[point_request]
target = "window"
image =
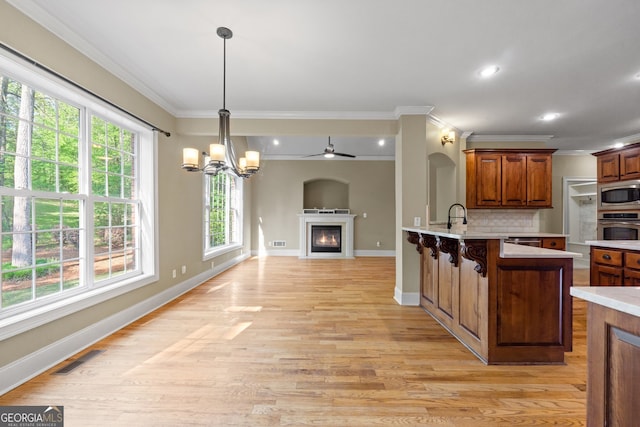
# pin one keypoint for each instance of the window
(72, 189)
(223, 222)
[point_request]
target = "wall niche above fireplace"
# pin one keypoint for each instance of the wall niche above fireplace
(325, 193)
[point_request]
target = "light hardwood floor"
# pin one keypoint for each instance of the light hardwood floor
(287, 342)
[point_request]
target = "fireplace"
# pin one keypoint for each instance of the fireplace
(326, 234)
(326, 238)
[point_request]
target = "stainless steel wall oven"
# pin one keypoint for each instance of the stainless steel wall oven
(618, 225)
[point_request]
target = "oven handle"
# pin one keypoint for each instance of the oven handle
(612, 221)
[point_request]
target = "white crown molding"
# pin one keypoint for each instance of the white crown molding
(444, 125)
(320, 158)
(629, 139)
(465, 135)
(309, 115)
(509, 138)
(413, 110)
(35, 12)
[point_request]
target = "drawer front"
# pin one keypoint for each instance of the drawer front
(553, 243)
(632, 260)
(608, 257)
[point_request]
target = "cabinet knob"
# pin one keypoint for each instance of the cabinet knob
(553, 243)
(607, 257)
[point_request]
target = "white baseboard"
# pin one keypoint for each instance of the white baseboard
(374, 253)
(406, 298)
(296, 253)
(277, 252)
(22, 370)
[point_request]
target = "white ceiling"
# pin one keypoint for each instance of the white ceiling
(367, 58)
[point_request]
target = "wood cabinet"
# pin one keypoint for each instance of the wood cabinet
(614, 267)
(619, 165)
(558, 243)
(514, 180)
(508, 178)
(505, 310)
(613, 373)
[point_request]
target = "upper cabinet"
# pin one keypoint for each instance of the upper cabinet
(619, 165)
(509, 178)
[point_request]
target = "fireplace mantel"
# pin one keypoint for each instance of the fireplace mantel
(345, 220)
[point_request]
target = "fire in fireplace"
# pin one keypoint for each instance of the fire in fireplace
(326, 238)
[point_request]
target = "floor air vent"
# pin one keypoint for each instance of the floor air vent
(279, 243)
(74, 364)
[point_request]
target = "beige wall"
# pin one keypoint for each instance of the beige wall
(574, 166)
(278, 196)
(272, 199)
(179, 192)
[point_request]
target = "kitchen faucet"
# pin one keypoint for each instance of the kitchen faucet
(464, 217)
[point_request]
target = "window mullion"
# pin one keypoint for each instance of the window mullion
(86, 217)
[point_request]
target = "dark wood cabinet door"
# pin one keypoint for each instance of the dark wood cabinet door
(539, 180)
(488, 179)
(429, 279)
(631, 277)
(613, 378)
(630, 164)
(514, 180)
(604, 275)
(609, 168)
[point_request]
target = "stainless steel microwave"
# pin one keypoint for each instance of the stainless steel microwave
(619, 195)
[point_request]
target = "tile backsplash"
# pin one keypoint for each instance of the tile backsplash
(501, 220)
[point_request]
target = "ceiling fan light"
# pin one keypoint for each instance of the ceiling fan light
(329, 155)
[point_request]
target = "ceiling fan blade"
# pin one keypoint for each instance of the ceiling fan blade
(313, 155)
(344, 155)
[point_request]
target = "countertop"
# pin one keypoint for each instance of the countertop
(507, 250)
(622, 298)
(468, 235)
(633, 245)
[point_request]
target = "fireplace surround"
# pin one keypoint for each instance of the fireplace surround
(326, 219)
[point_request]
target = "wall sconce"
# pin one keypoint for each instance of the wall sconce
(448, 136)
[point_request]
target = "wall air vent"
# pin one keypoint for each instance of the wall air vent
(279, 243)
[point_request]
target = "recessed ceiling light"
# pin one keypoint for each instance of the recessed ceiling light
(618, 145)
(549, 116)
(489, 71)
(276, 142)
(381, 142)
(637, 76)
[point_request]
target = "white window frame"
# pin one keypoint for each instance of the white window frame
(212, 252)
(40, 312)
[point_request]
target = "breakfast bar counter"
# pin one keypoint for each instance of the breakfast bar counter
(508, 304)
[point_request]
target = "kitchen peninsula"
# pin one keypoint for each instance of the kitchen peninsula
(507, 303)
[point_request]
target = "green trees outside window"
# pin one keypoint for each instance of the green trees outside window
(222, 211)
(68, 188)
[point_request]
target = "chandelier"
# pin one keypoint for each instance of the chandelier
(221, 156)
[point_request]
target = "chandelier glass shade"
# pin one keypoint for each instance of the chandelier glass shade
(221, 156)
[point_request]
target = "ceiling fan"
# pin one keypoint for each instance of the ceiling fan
(330, 152)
